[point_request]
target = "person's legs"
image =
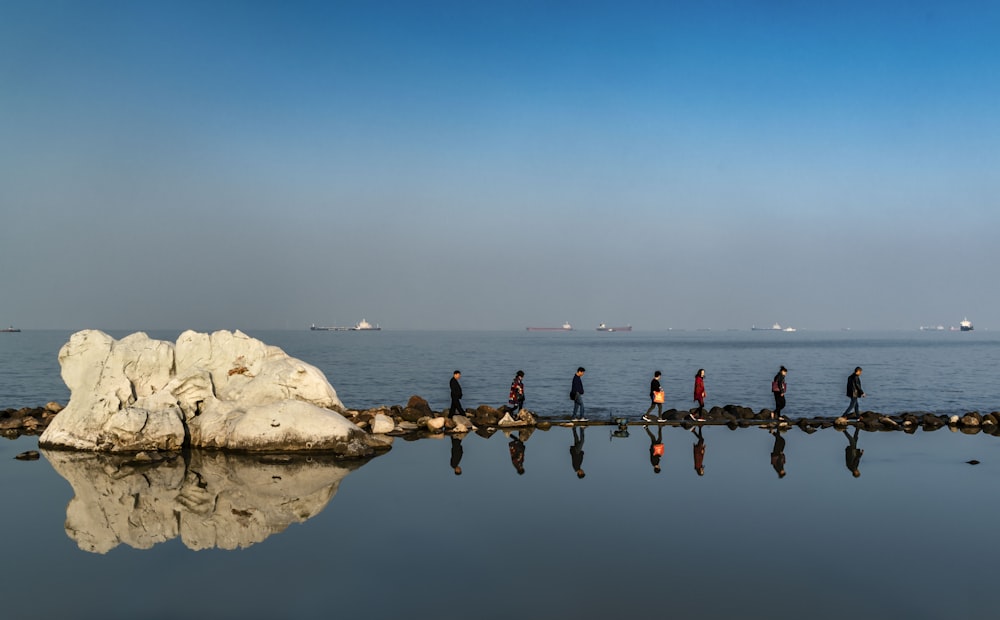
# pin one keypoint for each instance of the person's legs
(652, 404)
(578, 406)
(852, 405)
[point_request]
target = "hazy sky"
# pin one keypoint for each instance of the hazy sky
(495, 165)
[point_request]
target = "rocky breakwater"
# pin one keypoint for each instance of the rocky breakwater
(223, 390)
(27, 420)
(417, 418)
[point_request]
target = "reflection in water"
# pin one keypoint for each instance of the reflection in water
(516, 448)
(576, 452)
(852, 455)
(456, 453)
(699, 451)
(656, 447)
(778, 453)
(209, 499)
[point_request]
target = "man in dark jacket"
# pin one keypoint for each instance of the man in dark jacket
(854, 392)
(778, 388)
(577, 394)
(456, 395)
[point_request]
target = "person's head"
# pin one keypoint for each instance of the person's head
(856, 473)
(656, 468)
(520, 374)
(581, 370)
(781, 473)
(701, 471)
(700, 373)
(657, 374)
(783, 370)
(457, 374)
(857, 370)
(458, 471)
(520, 471)
(580, 474)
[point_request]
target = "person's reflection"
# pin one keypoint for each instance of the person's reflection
(576, 452)
(656, 447)
(516, 447)
(852, 454)
(699, 451)
(456, 453)
(778, 453)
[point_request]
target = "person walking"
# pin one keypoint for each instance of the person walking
(515, 400)
(576, 393)
(576, 452)
(699, 394)
(778, 387)
(456, 395)
(854, 392)
(656, 398)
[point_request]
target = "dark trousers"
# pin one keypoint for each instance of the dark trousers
(779, 403)
(853, 405)
(456, 407)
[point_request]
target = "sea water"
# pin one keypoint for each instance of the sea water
(403, 536)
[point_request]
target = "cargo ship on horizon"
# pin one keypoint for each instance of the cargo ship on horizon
(566, 327)
(604, 328)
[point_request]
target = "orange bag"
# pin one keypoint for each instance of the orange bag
(658, 449)
(658, 396)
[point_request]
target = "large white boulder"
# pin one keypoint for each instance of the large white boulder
(222, 390)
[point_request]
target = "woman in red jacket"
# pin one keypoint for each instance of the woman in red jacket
(699, 394)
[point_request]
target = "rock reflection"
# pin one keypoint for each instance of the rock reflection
(208, 499)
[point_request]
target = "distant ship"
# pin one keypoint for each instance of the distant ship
(965, 325)
(566, 327)
(604, 328)
(10, 330)
(774, 328)
(365, 326)
(362, 326)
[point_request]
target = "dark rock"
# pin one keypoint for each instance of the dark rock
(932, 422)
(971, 419)
(973, 462)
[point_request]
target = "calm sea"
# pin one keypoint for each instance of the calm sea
(212, 535)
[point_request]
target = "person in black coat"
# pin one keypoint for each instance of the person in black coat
(854, 392)
(456, 395)
(778, 388)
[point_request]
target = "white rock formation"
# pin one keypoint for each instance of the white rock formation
(221, 390)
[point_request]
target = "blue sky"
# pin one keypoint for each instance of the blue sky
(496, 165)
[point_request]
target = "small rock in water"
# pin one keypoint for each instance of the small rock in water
(30, 455)
(973, 462)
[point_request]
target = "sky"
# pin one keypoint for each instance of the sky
(495, 165)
